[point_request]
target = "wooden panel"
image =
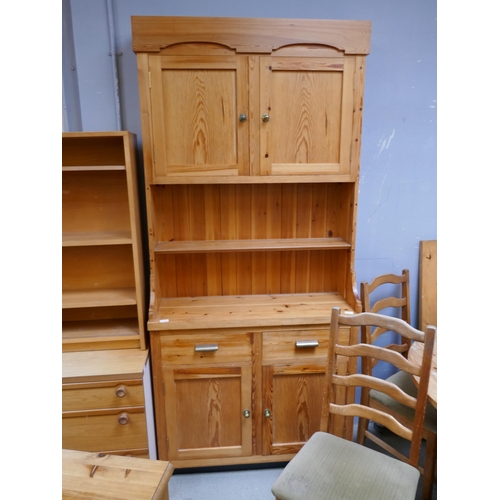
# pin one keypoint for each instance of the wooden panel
(152, 33)
(93, 149)
(246, 311)
(282, 345)
(214, 399)
(231, 348)
(303, 133)
(100, 431)
(293, 395)
(98, 476)
(116, 364)
(245, 218)
(117, 394)
(97, 267)
(93, 202)
(428, 284)
(236, 212)
(196, 129)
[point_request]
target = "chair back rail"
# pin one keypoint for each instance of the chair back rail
(366, 352)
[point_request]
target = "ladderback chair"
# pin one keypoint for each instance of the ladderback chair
(390, 293)
(331, 467)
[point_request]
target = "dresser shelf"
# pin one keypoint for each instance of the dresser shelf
(279, 244)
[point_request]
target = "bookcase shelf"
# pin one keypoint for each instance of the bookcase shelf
(103, 297)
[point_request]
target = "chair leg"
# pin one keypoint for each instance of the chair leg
(362, 428)
(429, 466)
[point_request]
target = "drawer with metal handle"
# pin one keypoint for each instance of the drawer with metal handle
(292, 345)
(210, 347)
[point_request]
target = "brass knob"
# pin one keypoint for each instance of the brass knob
(243, 118)
(121, 391)
(123, 419)
(267, 413)
(246, 413)
(265, 118)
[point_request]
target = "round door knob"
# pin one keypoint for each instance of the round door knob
(123, 419)
(121, 391)
(246, 413)
(267, 413)
(265, 118)
(243, 118)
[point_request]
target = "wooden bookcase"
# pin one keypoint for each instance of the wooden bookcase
(251, 140)
(103, 297)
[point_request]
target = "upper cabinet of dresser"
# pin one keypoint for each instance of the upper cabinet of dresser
(228, 100)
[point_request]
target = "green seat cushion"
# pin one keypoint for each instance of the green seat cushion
(329, 467)
(404, 381)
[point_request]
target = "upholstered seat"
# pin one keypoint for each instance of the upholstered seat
(329, 467)
(404, 382)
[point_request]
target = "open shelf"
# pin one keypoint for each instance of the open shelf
(83, 168)
(101, 333)
(72, 299)
(233, 311)
(278, 244)
(95, 238)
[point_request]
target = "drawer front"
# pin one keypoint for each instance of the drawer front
(102, 395)
(101, 431)
(298, 344)
(189, 348)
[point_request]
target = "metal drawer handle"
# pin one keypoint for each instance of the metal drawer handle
(206, 348)
(123, 419)
(306, 343)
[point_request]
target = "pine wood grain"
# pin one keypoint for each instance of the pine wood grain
(101, 476)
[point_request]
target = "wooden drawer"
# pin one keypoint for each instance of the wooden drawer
(294, 344)
(189, 348)
(92, 396)
(101, 430)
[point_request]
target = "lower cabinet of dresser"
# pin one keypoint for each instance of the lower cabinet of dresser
(238, 397)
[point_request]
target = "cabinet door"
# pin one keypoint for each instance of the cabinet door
(306, 108)
(198, 103)
(292, 406)
(205, 412)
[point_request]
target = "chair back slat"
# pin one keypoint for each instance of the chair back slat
(387, 302)
(355, 410)
(380, 354)
(337, 384)
(361, 380)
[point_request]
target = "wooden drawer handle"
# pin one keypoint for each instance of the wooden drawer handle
(123, 419)
(304, 344)
(121, 391)
(206, 348)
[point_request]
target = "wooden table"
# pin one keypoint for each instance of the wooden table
(103, 477)
(415, 356)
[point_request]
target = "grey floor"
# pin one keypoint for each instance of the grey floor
(254, 484)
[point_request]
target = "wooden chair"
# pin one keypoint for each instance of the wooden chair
(331, 467)
(375, 297)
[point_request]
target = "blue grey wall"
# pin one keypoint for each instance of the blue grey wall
(397, 198)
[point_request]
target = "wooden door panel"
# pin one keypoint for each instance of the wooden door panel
(196, 126)
(204, 412)
(293, 396)
(310, 105)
